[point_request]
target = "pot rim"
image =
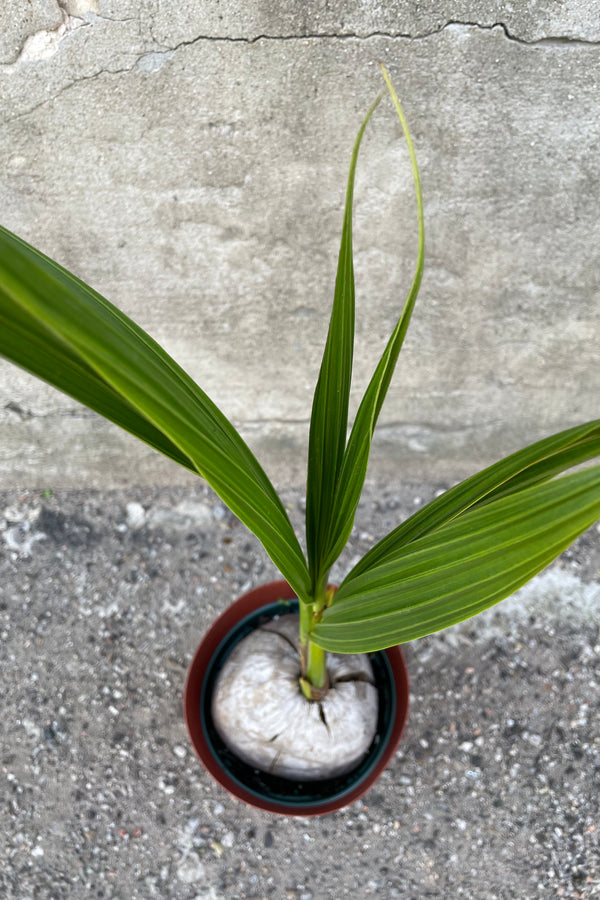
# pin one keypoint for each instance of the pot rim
(199, 672)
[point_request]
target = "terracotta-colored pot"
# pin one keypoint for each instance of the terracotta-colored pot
(272, 793)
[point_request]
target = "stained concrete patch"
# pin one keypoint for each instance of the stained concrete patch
(22, 20)
(492, 794)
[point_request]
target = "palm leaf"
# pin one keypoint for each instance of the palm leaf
(329, 419)
(26, 342)
(535, 464)
(66, 333)
(354, 465)
(462, 568)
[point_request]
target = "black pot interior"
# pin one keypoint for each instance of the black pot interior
(274, 788)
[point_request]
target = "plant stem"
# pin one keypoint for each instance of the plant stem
(316, 669)
(314, 681)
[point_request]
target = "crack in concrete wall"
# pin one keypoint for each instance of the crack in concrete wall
(537, 42)
(43, 44)
(391, 35)
(396, 35)
(46, 43)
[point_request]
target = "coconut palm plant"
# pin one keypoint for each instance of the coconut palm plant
(465, 551)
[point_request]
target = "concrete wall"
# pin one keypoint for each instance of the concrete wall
(189, 161)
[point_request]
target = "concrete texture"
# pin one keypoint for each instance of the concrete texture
(189, 161)
(493, 794)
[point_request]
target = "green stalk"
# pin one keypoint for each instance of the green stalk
(314, 681)
(316, 670)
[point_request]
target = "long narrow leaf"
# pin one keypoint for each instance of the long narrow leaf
(463, 568)
(356, 457)
(535, 464)
(25, 342)
(329, 419)
(93, 342)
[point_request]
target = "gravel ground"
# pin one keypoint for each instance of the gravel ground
(103, 598)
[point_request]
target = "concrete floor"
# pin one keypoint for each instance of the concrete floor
(103, 597)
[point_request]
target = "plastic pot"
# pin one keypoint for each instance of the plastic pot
(265, 791)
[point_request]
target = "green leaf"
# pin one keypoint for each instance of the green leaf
(532, 465)
(27, 343)
(66, 333)
(462, 568)
(329, 419)
(356, 457)
(337, 469)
